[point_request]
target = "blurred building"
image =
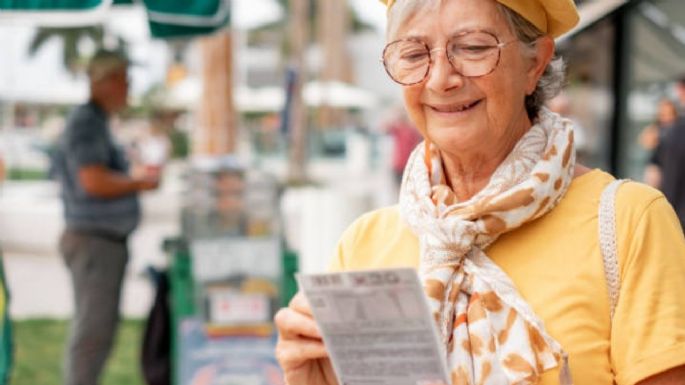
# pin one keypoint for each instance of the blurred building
(622, 58)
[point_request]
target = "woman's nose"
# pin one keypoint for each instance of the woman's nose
(442, 75)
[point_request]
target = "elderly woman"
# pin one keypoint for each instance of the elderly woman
(501, 223)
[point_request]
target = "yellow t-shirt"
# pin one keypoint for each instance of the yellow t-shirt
(555, 263)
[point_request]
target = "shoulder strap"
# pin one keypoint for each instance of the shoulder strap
(607, 241)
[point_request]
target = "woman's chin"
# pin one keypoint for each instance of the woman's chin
(457, 141)
(455, 132)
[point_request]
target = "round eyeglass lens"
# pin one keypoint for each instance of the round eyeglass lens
(406, 61)
(474, 53)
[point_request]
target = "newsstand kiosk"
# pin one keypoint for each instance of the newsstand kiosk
(228, 274)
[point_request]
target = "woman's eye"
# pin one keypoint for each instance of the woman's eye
(413, 56)
(475, 48)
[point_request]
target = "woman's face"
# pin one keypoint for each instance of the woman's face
(470, 114)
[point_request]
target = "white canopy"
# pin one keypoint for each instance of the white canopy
(187, 94)
(338, 94)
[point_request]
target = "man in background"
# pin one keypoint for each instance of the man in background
(101, 209)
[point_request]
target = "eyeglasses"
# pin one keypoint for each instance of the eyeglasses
(471, 54)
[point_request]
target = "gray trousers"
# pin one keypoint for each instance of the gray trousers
(97, 265)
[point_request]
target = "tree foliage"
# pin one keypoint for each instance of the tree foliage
(279, 27)
(73, 59)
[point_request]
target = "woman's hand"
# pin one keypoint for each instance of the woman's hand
(300, 350)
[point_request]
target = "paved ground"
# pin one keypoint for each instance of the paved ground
(30, 224)
(39, 286)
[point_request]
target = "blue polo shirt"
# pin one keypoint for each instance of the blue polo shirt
(87, 141)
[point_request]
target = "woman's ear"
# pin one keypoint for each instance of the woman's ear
(544, 51)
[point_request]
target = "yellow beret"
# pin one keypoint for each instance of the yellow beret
(553, 17)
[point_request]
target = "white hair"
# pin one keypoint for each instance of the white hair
(551, 81)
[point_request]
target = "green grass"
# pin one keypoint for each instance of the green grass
(26, 174)
(39, 351)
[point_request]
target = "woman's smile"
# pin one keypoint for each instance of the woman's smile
(456, 110)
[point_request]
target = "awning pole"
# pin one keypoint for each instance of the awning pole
(217, 130)
(299, 37)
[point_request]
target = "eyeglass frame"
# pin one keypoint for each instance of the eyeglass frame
(499, 47)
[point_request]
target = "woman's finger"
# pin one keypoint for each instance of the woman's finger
(292, 324)
(300, 304)
(293, 353)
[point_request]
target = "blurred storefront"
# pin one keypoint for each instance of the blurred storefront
(622, 59)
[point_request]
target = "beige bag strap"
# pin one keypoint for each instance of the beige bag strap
(607, 241)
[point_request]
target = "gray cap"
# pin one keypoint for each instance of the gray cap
(104, 62)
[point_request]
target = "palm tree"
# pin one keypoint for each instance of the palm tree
(72, 57)
(216, 133)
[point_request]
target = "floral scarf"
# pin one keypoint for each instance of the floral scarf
(491, 335)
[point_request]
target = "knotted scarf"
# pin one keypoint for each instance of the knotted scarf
(491, 335)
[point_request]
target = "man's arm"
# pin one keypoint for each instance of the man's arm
(101, 182)
(675, 376)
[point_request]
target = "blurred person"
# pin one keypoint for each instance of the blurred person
(3, 170)
(680, 94)
(502, 223)
(667, 114)
(668, 166)
(405, 138)
(653, 134)
(101, 210)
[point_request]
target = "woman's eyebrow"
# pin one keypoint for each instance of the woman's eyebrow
(413, 36)
(456, 32)
(472, 29)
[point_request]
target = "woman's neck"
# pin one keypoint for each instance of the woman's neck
(468, 174)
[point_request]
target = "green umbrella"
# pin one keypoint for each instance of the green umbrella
(166, 18)
(49, 5)
(179, 18)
